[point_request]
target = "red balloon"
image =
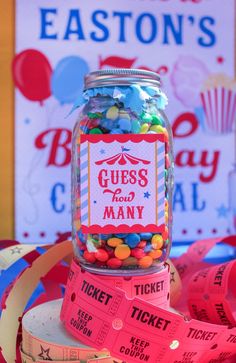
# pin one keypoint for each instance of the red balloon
(32, 74)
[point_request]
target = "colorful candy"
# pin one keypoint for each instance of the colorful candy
(157, 241)
(132, 240)
(130, 250)
(114, 263)
(144, 128)
(145, 262)
(138, 253)
(101, 255)
(112, 113)
(122, 252)
(113, 242)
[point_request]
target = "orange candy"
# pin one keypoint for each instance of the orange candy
(145, 262)
(122, 252)
(155, 254)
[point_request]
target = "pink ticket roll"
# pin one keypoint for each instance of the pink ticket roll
(134, 330)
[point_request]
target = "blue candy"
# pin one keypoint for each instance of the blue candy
(108, 124)
(81, 236)
(105, 237)
(132, 240)
(148, 247)
(124, 124)
(116, 131)
(145, 236)
(121, 235)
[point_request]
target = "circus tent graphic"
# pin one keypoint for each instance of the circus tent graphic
(122, 159)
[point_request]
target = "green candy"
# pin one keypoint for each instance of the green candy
(95, 131)
(156, 120)
(146, 118)
(94, 115)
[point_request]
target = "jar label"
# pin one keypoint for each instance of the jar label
(122, 183)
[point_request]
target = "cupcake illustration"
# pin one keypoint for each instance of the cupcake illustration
(218, 97)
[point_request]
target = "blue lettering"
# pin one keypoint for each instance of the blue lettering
(175, 31)
(178, 198)
(58, 187)
(197, 207)
(100, 26)
(211, 36)
(153, 28)
(74, 25)
(122, 17)
(46, 24)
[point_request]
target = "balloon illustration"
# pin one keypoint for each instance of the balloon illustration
(32, 74)
(68, 79)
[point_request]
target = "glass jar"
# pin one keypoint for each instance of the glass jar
(122, 174)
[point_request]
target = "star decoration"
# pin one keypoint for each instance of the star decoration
(44, 353)
(172, 277)
(16, 250)
(102, 151)
(146, 195)
(95, 202)
(220, 59)
(222, 211)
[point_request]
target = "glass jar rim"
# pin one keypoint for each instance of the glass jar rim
(121, 77)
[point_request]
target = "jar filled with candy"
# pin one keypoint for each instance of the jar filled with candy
(122, 174)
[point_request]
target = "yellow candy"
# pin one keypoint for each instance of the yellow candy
(145, 262)
(122, 252)
(157, 241)
(155, 254)
(166, 216)
(157, 128)
(112, 113)
(144, 129)
(124, 115)
(166, 207)
(113, 242)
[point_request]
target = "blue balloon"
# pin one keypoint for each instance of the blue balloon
(68, 79)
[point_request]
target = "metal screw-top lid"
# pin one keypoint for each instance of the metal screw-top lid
(121, 77)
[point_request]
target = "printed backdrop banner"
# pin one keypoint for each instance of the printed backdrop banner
(190, 43)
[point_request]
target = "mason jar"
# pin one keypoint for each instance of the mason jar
(122, 174)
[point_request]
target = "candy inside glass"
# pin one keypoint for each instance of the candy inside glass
(121, 253)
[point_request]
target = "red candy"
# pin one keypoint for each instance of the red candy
(101, 255)
(142, 244)
(165, 234)
(114, 263)
(89, 256)
(138, 253)
(110, 252)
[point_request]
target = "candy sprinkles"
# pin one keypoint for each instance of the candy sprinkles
(122, 174)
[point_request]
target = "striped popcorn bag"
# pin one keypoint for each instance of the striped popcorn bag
(219, 103)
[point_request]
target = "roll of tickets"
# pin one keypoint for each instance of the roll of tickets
(101, 315)
(140, 330)
(44, 338)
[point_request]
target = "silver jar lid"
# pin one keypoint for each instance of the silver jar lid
(121, 77)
